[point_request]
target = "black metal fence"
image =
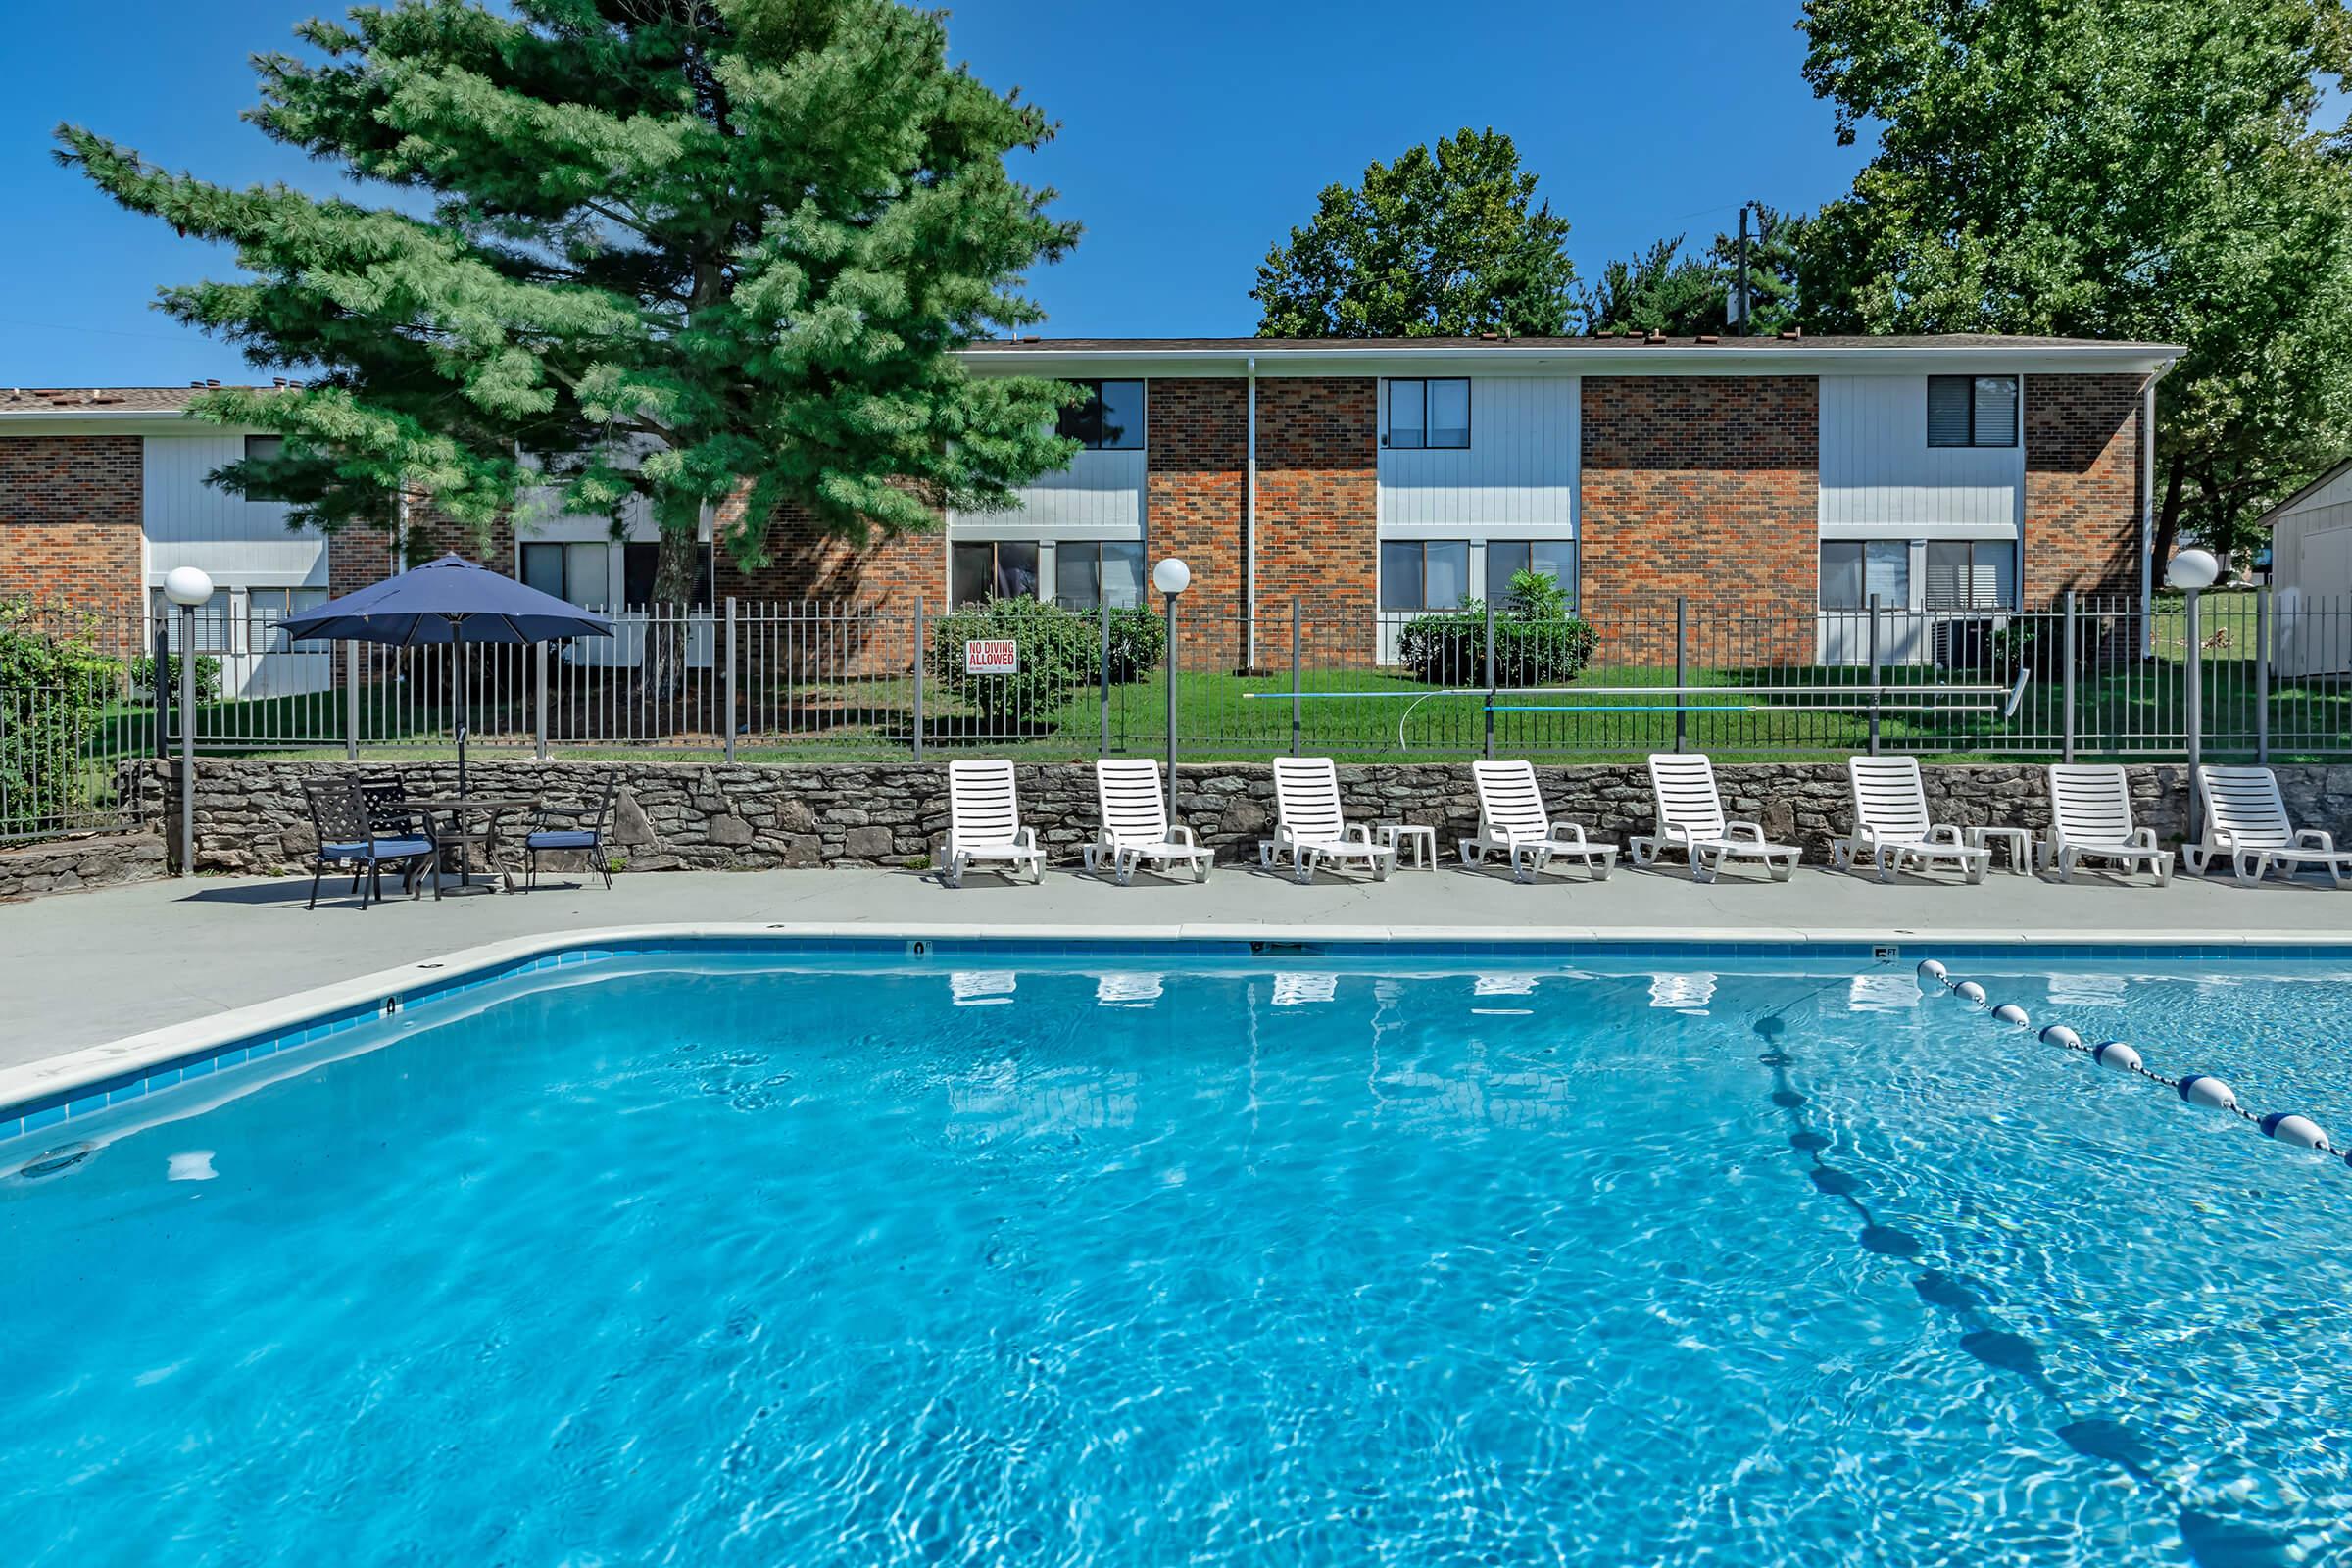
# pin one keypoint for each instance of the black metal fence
(2233, 675)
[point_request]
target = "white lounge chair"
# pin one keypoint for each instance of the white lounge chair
(984, 823)
(1691, 820)
(1512, 821)
(1892, 825)
(1311, 826)
(2090, 819)
(1135, 823)
(2245, 819)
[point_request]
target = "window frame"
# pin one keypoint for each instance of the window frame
(1576, 564)
(1974, 442)
(1422, 547)
(1066, 550)
(1422, 384)
(2004, 564)
(1861, 582)
(1039, 545)
(1092, 404)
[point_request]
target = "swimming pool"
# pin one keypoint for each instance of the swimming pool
(1146, 1255)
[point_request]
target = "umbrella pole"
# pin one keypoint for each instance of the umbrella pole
(464, 708)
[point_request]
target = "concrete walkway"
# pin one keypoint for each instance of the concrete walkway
(78, 969)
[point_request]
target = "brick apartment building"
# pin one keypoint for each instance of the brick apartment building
(1371, 479)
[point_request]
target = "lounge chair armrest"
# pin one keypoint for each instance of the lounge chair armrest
(1356, 833)
(1026, 838)
(1182, 834)
(2315, 838)
(1673, 833)
(2221, 838)
(2142, 838)
(1568, 832)
(1945, 833)
(1750, 831)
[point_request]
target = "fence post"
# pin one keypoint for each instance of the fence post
(2196, 705)
(160, 674)
(1874, 674)
(1105, 672)
(921, 648)
(728, 685)
(2066, 748)
(539, 699)
(1298, 705)
(1681, 671)
(2262, 675)
(1489, 703)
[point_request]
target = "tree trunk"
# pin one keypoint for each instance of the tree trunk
(2168, 518)
(661, 675)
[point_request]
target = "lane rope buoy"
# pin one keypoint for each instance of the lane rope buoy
(2199, 1089)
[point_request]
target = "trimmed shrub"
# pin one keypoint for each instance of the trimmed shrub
(1061, 655)
(1537, 641)
(143, 678)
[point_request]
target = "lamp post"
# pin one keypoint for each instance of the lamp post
(1171, 577)
(187, 587)
(2193, 571)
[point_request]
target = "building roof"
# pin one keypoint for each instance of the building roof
(1615, 344)
(98, 399)
(2336, 472)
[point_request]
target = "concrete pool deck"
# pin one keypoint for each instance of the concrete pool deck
(81, 969)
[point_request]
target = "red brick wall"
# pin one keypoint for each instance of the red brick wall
(1318, 515)
(1193, 499)
(1704, 486)
(2083, 472)
(69, 519)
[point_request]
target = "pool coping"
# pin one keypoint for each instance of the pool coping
(37, 1095)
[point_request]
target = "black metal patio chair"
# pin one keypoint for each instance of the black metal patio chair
(586, 834)
(347, 838)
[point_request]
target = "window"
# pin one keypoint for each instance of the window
(1429, 414)
(984, 569)
(1507, 558)
(265, 448)
(1972, 410)
(577, 573)
(265, 608)
(638, 562)
(1971, 573)
(1087, 574)
(1110, 419)
(1424, 574)
(1855, 571)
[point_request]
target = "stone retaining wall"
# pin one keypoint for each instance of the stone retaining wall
(85, 861)
(695, 816)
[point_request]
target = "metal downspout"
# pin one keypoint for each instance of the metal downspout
(1250, 527)
(2147, 512)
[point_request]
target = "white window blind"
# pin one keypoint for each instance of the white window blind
(1995, 412)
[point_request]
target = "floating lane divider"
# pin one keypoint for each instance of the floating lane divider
(2200, 1089)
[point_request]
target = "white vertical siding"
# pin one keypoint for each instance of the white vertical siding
(1098, 496)
(1519, 472)
(191, 524)
(1880, 478)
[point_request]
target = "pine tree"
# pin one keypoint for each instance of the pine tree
(651, 254)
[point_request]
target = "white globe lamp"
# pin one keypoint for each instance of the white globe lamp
(1171, 576)
(2193, 568)
(187, 586)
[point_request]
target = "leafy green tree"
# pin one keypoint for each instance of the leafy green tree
(1448, 243)
(2151, 169)
(656, 254)
(1683, 294)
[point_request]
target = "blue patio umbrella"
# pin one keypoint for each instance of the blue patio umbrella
(449, 601)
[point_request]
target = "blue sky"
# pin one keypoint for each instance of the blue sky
(1194, 134)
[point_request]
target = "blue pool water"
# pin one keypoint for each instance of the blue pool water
(830, 1261)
